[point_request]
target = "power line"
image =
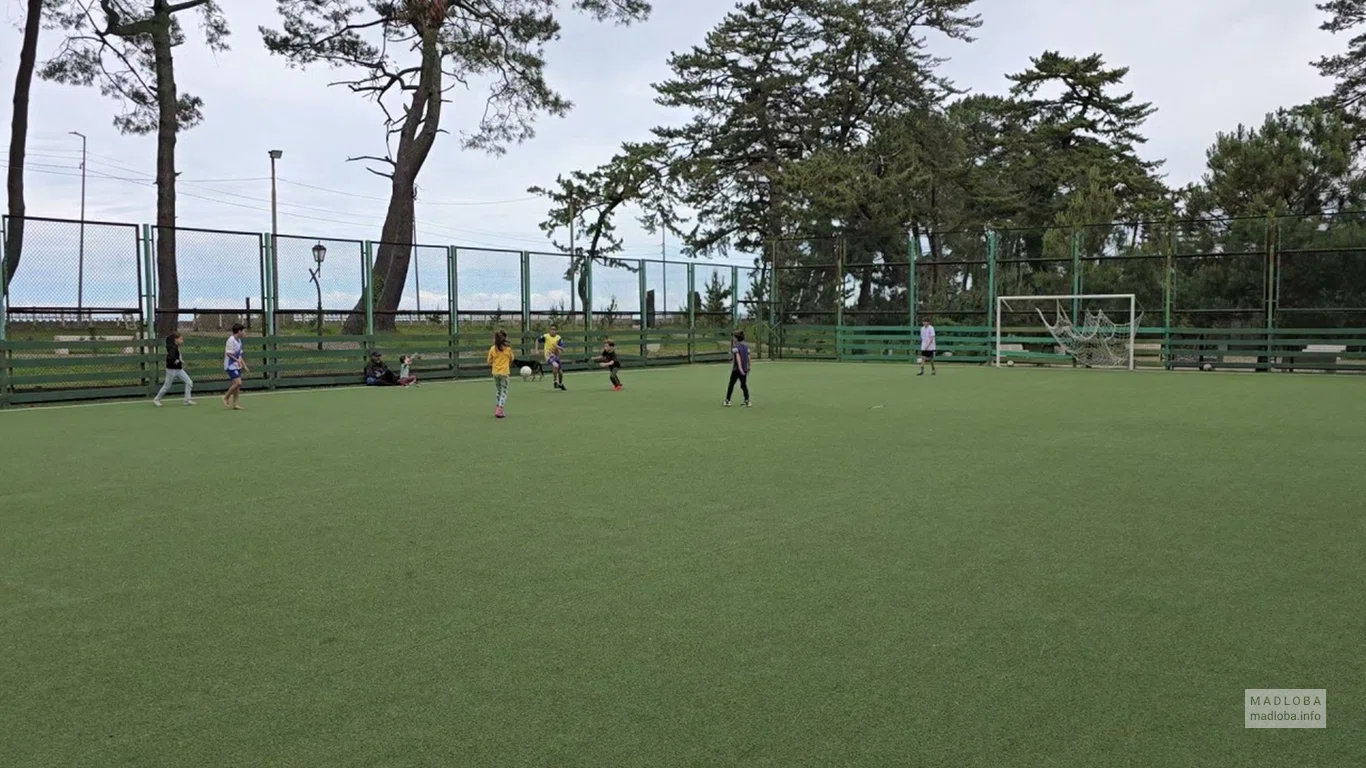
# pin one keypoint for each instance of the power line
(423, 202)
(60, 153)
(366, 220)
(358, 219)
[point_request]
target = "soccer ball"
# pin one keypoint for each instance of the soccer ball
(526, 372)
(920, 361)
(1010, 363)
(1206, 367)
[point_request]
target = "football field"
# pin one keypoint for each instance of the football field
(981, 568)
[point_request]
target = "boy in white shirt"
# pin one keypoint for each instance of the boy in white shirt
(926, 347)
(236, 365)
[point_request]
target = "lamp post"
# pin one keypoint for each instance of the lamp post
(275, 154)
(80, 259)
(319, 253)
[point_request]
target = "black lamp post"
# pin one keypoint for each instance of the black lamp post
(319, 254)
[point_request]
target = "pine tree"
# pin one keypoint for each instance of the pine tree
(127, 50)
(1347, 70)
(18, 141)
(413, 51)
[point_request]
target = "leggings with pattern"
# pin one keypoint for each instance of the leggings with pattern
(500, 384)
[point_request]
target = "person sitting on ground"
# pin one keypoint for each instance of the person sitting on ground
(378, 374)
(406, 377)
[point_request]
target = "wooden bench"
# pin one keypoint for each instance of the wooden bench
(1315, 357)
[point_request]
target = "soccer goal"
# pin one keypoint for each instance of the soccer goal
(1100, 336)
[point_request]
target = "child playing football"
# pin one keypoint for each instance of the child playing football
(739, 368)
(553, 346)
(500, 363)
(608, 360)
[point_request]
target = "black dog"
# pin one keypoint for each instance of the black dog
(537, 372)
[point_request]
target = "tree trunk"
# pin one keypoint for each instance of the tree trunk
(18, 139)
(582, 281)
(421, 123)
(390, 272)
(168, 281)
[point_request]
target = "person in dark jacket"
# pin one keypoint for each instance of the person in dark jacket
(378, 373)
(175, 371)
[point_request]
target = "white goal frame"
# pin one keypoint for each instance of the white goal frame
(1133, 315)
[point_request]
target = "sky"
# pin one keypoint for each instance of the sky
(1207, 65)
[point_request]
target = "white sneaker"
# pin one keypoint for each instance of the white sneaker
(157, 403)
(191, 402)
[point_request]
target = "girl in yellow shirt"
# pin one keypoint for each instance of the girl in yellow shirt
(500, 361)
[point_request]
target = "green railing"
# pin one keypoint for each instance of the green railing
(34, 372)
(1333, 350)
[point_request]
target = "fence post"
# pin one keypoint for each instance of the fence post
(4, 373)
(368, 290)
(587, 298)
(913, 253)
(1168, 272)
(991, 283)
(147, 256)
(839, 298)
(4, 314)
(775, 344)
(644, 314)
(1269, 294)
(269, 302)
(525, 257)
(1076, 273)
(453, 309)
(692, 312)
(4, 281)
(734, 298)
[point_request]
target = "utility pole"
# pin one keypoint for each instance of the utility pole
(275, 154)
(80, 259)
(664, 264)
(573, 287)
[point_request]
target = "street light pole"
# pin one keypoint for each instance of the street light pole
(275, 154)
(319, 253)
(80, 259)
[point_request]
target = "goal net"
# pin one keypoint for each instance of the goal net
(1094, 330)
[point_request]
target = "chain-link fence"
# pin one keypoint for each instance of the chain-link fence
(220, 280)
(952, 278)
(73, 277)
(321, 285)
(809, 290)
(557, 292)
(81, 281)
(488, 291)
(616, 294)
(1124, 258)
(1320, 271)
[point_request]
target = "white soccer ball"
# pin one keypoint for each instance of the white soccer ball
(1010, 363)
(1206, 367)
(920, 361)
(526, 372)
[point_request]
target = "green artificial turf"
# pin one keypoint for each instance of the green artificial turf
(982, 568)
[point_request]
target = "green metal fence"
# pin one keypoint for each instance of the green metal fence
(80, 319)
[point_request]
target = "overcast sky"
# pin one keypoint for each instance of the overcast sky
(1206, 64)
